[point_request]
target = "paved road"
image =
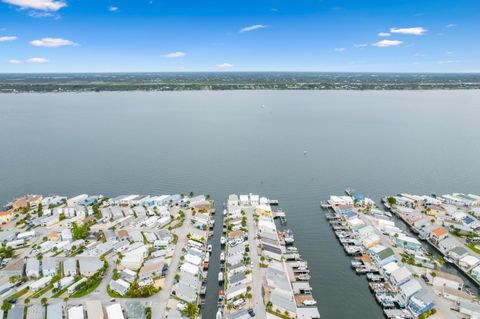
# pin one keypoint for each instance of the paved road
(159, 301)
(259, 306)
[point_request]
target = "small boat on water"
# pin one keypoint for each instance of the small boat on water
(220, 277)
(219, 314)
(209, 248)
(223, 240)
(449, 259)
(224, 212)
(222, 256)
(349, 191)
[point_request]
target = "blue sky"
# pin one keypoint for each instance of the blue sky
(248, 35)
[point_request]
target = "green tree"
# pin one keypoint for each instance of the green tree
(6, 306)
(392, 201)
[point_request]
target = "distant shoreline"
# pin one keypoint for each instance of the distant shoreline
(114, 82)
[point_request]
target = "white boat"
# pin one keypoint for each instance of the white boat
(449, 259)
(224, 212)
(223, 240)
(288, 237)
(209, 248)
(309, 302)
(303, 277)
(222, 256)
(219, 314)
(220, 276)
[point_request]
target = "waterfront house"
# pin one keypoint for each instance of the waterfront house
(27, 202)
(371, 241)
(184, 292)
(74, 201)
(71, 289)
(190, 280)
(410, 288)
(476, 272)
(438, 234)
(26, 235)
(76, 312)
(382, 255)
(390, 267)
(458, 253)
(448, 244)
(400, 276)
(283, 301)
(365, 231)
(468, 262)
(341, 200)
(191, 269)
(235, 291)
(420, 302)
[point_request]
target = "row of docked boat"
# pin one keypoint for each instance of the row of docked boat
(385, 294)
(345, 236)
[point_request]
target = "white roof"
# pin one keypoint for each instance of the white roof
(469, 260)
(94, 309)
(401, 274)
(391, 267)
(76, 312)
(189, 268)
(192, 259)
(115, 311)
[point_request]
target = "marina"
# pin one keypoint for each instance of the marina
(402, 275)
(265, 276)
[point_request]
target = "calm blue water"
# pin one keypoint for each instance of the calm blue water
(225, 142)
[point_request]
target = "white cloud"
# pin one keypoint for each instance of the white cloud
(225, 66)
(449, 62)
(339, 49)
(360, 45)
(253, 27)
(173, 55)
(7, 38)
(384, 34)
(36, 14)
(37, 60)
(46, 5)
(451, 25)
(14, 61)
(112, 9)
(52, 43)
(387, 43)
(410, 31)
